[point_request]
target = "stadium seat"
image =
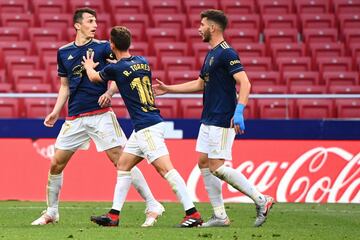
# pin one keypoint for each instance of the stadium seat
(119, 108)
(317, 20)
(153, 61)
(346, 6)
(33, 88)
(41, 34)
(298, 78)
(169, 49)
(3, 79)
(39, 107)
(238, 7)
(282, 21)
(47, 48)
(275, 7)
(266, 78)
(29, 77)
(139, 48)
(194, 20)
(49, 63)
(241, 35)
(341, 78)
(18, 48)
(280, 36)
(11, 34)
(244, 21)
(9, 108)
(14, 6)
(320, 35)
(21, 63)
(287, 64)
(181, 76)
(351, 36)
(164, 6)
(169, 108)
(269, 89)
(312, 6)
(339, 89)
(326, 50)
(22, 20)
(97, 5)
(355, 51)
(347, 108)
(256, 63)
(200, 49)
(126, 7)
(191, 107)
(176, 21)
(304, 89)
(61, 21)
(250, 111)
(349, 20)
(178, 63)
(156, 35)
(132, 20)
(5, 88)
(287, 50)
(275, 108)
(159, 74)
(315, 108)
(103, 21)
(249, 49)
(331, 64)
(195, 7)
(49, 6)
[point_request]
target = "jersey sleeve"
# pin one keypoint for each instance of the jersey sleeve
(60, 66)
(231, 61)
(107, 73)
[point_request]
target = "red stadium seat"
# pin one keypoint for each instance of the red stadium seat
(178, 63)
(103, 21)
(23, 20)
(11, 34)
(169, 49)
(47, 48)
(237, 6)
(162, 35)
(250, 111)
(320, 35)
(5, 88)
(242, 35)
(275, 108)
(287, 50)
(97, 5)
(139, 48)
(249, 49)
(159, 74)
(287, 64)
(256, 63)
(169, 108)
(21, 63)
(315, 108)
(341, 78)
(331, 64)
(282, 21)
(132, 21)
(14, 6)
(269, 89)
(39, 107)
(19, 48)
(60, 21)
(126, 7)
(339, 89)
(194, 20)
(119, 108)
(304, 89)
(33, 88)
(49, 6)
(49, 63)
(200, 50)
(326, 50)
(355, 51)
(263, 78)
(298, 78)
(192, 36)
(195, 7)
(164, 6)
(181, 76)
(349, 20)
(275, 6)
(29, 77)
(244, 21)
(45, 35)
(351, 36)
(280, 36)
(176, 21)
(312, 6)
(317, 20)
(9, 108)
(346, 6)
(153, 61)
(348, 108)
(191, 107)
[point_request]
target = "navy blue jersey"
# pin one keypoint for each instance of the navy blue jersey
(84, 94)
(133, 79)
(219, 96)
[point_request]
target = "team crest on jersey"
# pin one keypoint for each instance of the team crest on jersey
(78, 70)
(211, 61)
(89, 51)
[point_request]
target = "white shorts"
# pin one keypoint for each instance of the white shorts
(215, 141)
(103, 129)
(148, 143)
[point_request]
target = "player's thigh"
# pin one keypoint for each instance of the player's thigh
(73, 136)
(220, 143)
(202, 142)
(127, 161)
(105, 131)
(114, 154)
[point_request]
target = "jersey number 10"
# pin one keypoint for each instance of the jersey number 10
(143, 87)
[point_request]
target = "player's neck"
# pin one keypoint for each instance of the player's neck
(81, 40)
(121, 54)
(216, 40)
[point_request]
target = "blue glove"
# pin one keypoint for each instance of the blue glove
(239, 117)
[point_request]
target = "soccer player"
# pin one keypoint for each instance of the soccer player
(87, 119)
(221, 119)
(132, 75)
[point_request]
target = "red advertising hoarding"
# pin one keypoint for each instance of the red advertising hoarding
(289, 170)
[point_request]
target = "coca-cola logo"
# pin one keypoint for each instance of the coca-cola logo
(318, 175)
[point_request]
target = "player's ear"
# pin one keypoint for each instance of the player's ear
(77, 26)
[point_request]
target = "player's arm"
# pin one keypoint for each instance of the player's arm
(62, 98)
(188, 87)
(245, 86)
(90, 65)
(105, 99)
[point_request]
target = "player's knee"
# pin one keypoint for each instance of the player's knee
(56, 166)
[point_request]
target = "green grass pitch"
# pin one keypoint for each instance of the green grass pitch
(286, 221)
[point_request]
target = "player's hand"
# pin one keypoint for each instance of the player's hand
(51, 119)
(105, 100)
(88, 61)
(111, 60)
(238, 119)
(160, 88)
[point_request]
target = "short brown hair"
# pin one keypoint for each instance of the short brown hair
(121, 37)
(215, 15)
(78, 15)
